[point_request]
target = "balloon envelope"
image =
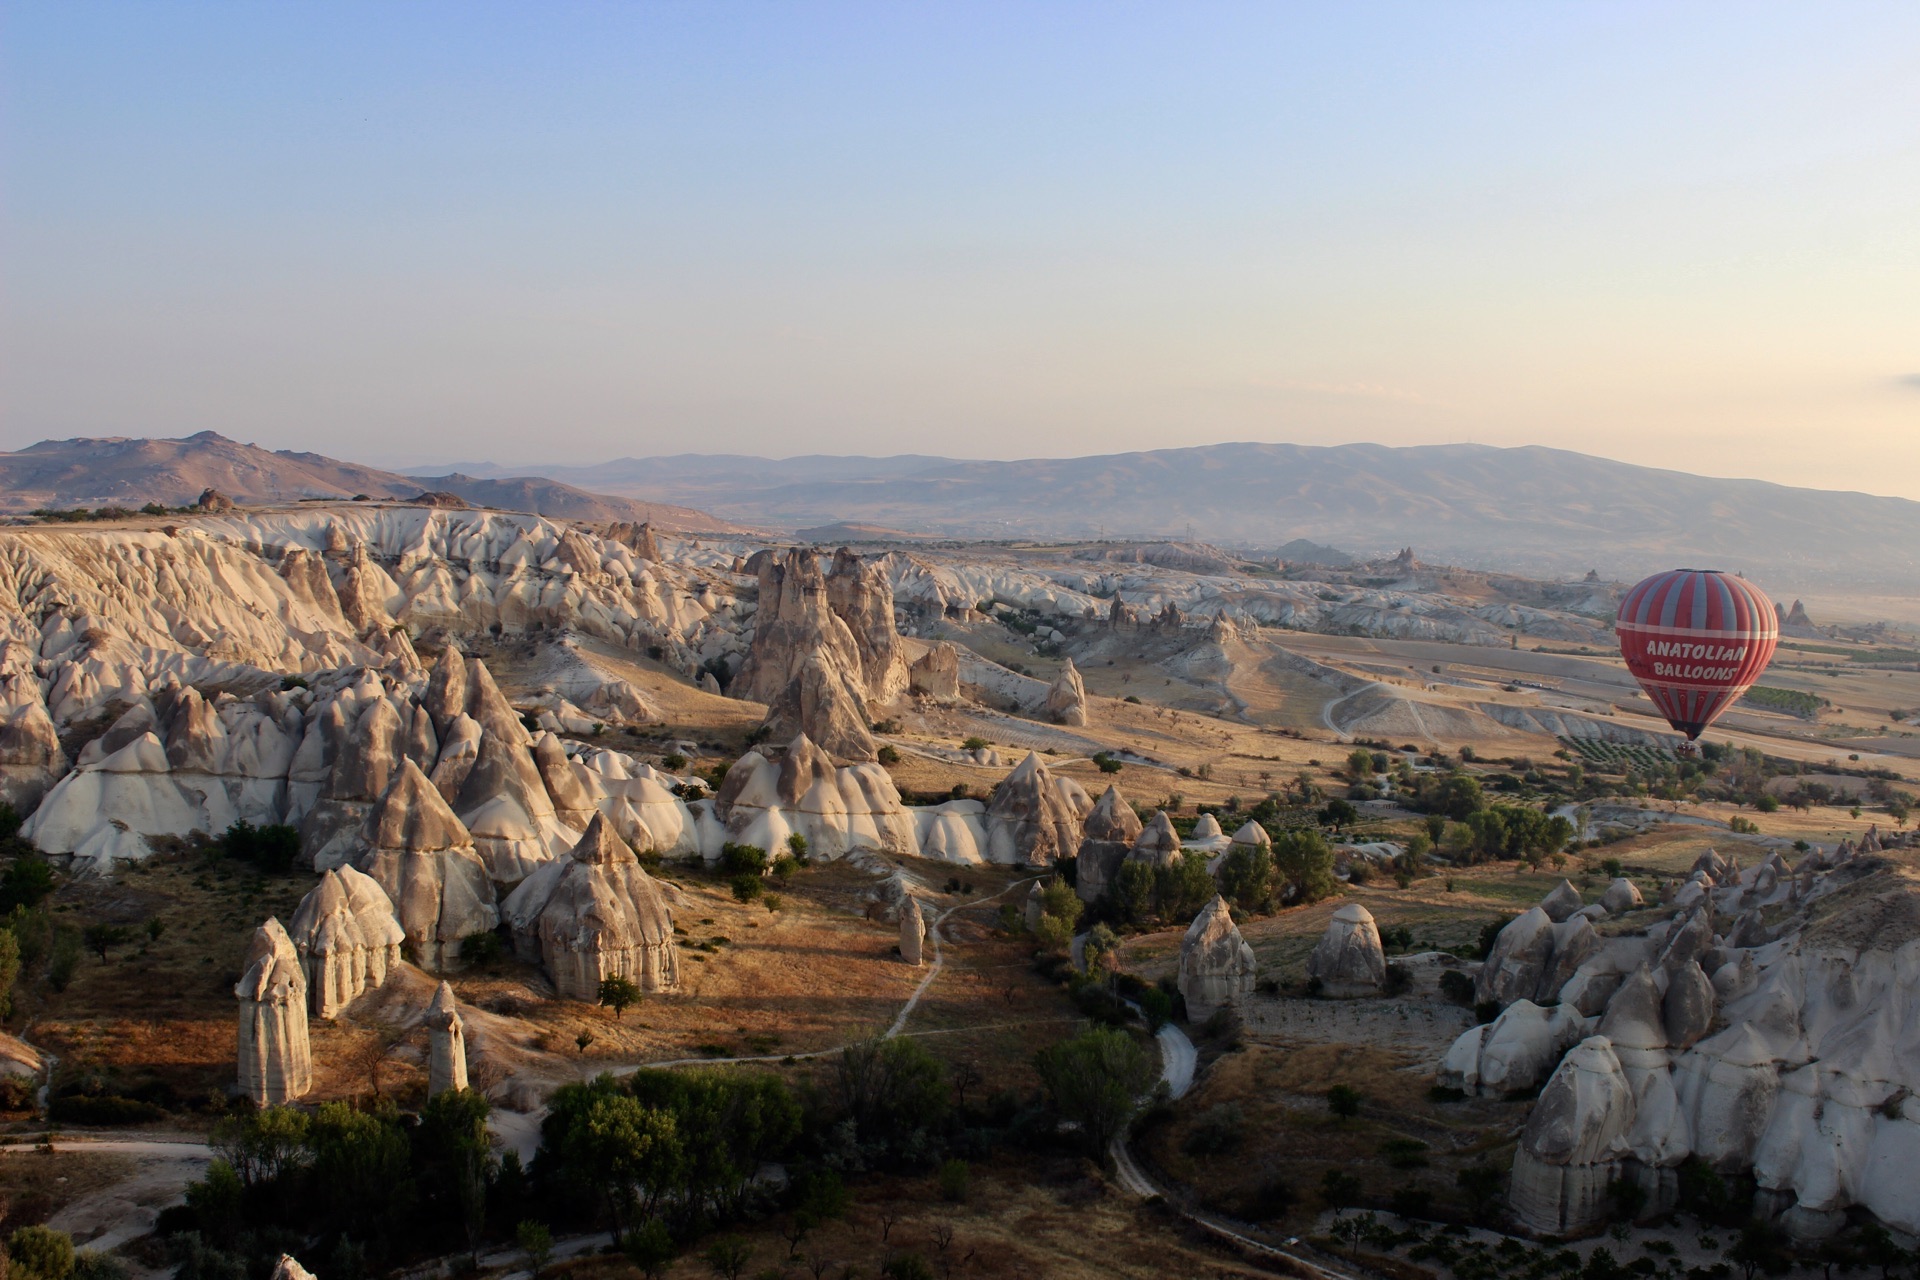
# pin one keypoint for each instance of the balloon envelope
(1696, 639)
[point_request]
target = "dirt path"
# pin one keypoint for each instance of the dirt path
(127, 1210)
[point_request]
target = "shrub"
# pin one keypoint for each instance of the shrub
(94, 1265)
(1490, 933)
(10, 821)
(908, 1266)
(1411, 1202)
(955, 1178)
(272, 848)
(481, 949)
(1106, 763)
(746, 887)
(26, 883)
(40, 1253)
(1344, 1101)
(1219, 1132)
(103, 1109)
(1456, 986)
(888, 754)
(673, 762)
(743, 859)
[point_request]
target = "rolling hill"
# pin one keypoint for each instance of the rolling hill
(1530, 509)
(130, 472)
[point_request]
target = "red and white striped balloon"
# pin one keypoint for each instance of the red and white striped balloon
(1696, 639)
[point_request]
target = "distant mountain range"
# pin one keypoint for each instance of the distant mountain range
(1529, 510)
(1535, 510)
(129, 472)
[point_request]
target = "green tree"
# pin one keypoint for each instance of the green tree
(1338, 814)
(612, 1144)
(1181, 889)
(1360, 763)
(1344, 1101)
(619, 994)
(895, 1091)
(1131, 893)
(1095, 1080)
(362, 1183)
(1303, 862)
(536, 1243)
(26, 882)
(727, 1124)
(1246, 877)
(728, 1256)
(1761, 1246)
(1481, 1184)
(456, 1159)
(101, 938)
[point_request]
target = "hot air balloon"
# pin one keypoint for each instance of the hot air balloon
(1696, 639)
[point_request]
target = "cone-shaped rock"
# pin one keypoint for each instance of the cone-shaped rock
(1349, 960)
(1067, 697)
(348, 938)
(1034, 817)
(446, 1043)
(595, 914)
(1216, 964)
(276, 1060)
(424, 860)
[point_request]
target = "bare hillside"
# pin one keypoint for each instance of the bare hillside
(130, 472)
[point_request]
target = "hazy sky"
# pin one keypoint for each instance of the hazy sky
(1679, 234)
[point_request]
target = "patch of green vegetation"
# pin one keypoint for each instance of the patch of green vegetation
(1793, 702)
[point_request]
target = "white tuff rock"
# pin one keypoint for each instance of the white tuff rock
(1349, 960)
(276, 1060)
(1216, 964)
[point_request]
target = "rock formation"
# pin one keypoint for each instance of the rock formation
(1067, 697)
(1573, 1143)
(936, 673)
(1109, 831)
(595, 914)
(348, 938)
(289, 1269)
(1033, 817)
(1158, 844)
(913, 930)
(767, 798)
(276, 1060)
(446, 1043)
(1561, 901)
(1513, 1053)
(1349, 960)
(1207, 836)
(1216, 964)
(860, 595)
(1533, 957)
(1621, 897)
(806, 664)
(424, 860)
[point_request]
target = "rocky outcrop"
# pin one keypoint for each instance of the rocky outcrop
(1216, 964)
(595, 914)
(1349, 960)
(1207, 836)
(1109, 832)
(1561, 901)
(860, 594)
(1513, 1053)
(1621, 897)
(446, 1043)
(1034, 818)
(214, 501)
(1533, 957)
(276, 1060)
(1158, 844)
(823, 701)
(936, 673)
(805, 663)
(1573, 1143)
(837, 809)
(421, 855)
(1067, 697)
(347, 937)
(913, 930)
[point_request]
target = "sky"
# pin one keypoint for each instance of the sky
(1680, 235)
